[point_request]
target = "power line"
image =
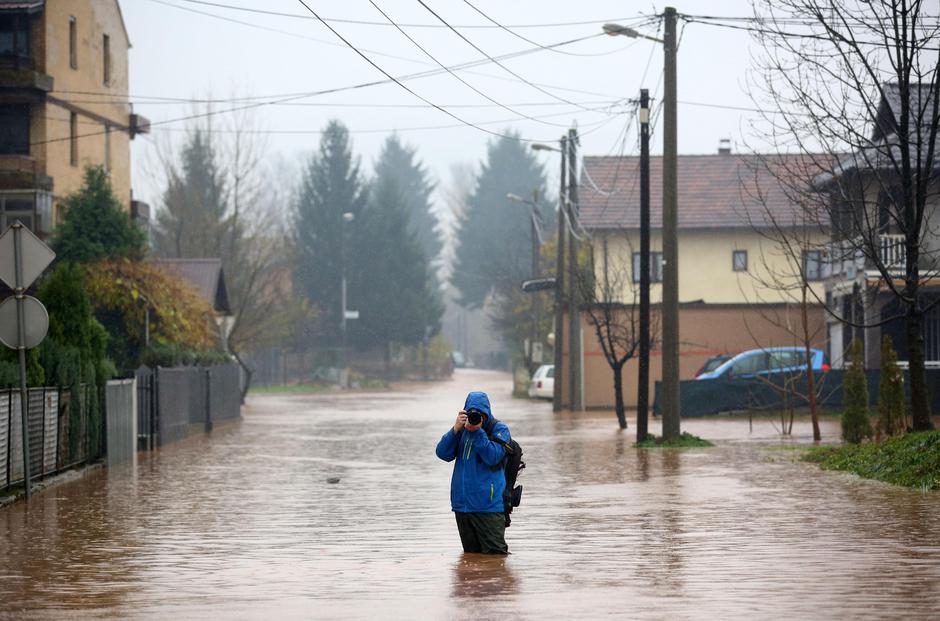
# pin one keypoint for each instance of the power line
(421, 74)
(531, 42)
(457, 77)
(594, 125)
(496, 62)
(404, 86)
(363, 22)
(305, 95)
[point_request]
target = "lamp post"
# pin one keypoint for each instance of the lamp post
(559, 269)
(670, 299)
(643, 376)
(536, 217)
(347, 218)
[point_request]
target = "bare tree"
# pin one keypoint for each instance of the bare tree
(792, 243)
(853, 88)
(611, 304)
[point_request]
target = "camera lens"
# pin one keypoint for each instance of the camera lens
(474, 418)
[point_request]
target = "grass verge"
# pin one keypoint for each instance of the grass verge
(911, 460)
(686, 440)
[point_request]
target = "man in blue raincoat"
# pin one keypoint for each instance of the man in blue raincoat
(476, 486)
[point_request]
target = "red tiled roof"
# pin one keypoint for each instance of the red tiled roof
(715, 190)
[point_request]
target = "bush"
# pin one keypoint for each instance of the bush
(173, 355)
(95, 224)
(892, 416)
(911, 460)
(856, 425)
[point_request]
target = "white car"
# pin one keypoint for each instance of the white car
(543, 382)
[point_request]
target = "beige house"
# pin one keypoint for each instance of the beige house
(738, 289)
(63, 105)
(867, 237)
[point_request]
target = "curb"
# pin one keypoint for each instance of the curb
(44, 484)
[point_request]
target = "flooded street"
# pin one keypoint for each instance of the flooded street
(243, 524)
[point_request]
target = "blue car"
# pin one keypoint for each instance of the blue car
(763, 362)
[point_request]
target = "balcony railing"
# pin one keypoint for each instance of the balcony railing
(847, 259)
(892, 252)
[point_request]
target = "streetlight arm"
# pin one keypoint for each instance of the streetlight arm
(616, 29)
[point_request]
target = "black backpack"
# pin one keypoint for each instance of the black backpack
(511, 466)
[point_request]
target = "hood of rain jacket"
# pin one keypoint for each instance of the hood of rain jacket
(477, 483)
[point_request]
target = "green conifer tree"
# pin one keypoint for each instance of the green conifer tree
(391, 284)
(856, 425)
(331, 186)
(397, 161)
(192, 220)
(494, 243)
(95, 224)
(892, 416)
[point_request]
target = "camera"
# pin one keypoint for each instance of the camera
(474, 417)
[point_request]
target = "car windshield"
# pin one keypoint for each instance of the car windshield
(550, 372)
(713, 364)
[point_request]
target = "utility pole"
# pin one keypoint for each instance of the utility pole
(643, 380)
(670, 305)
(560, 277)
(574, 314)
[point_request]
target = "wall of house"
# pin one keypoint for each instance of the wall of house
(107, 106)
(706, 330)
(705, 267)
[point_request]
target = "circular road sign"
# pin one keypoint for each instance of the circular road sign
(35, 317)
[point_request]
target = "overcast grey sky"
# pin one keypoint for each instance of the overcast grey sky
(179, 53)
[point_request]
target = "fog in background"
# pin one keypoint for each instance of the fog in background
(185, 50)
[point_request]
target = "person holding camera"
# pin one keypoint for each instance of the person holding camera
(477, 484)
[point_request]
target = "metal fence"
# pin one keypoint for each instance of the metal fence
(121, 421)
(704, 397)
(75, 425)
(175, 402)
(48, 444)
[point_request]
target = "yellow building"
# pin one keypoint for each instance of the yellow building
(63, 105)
(739, 288)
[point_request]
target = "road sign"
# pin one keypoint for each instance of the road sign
(35, 318)
(352, 314)
(35, 257)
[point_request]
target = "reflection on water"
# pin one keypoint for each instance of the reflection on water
(244, 524)
(483, 576)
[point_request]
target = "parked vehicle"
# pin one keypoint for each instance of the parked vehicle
(542, 385)
(763, 362)
(712, 363)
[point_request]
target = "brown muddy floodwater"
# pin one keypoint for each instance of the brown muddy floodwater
(242, 524)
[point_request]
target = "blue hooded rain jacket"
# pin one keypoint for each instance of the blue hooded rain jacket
(478, 482)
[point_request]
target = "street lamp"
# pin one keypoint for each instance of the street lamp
(536, 217)
(559, 268)
(347, 218)
(670, 300)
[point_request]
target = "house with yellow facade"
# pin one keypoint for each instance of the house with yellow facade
(63, 106)
(739, 288)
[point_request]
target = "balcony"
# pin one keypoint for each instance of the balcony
(846, 260)
(22, 172)
(23, 80)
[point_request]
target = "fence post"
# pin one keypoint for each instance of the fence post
(208, 381)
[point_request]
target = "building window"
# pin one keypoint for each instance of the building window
(73, 139)
(106, 49)
(14, 40)
(739, 260)
(812, 264)
(656, 267)
(73, 43)
(14, 129)
(107, 148)
(33, 209)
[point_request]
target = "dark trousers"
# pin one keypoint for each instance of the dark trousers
(482, 532)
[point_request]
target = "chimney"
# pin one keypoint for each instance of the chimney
(724, 146)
